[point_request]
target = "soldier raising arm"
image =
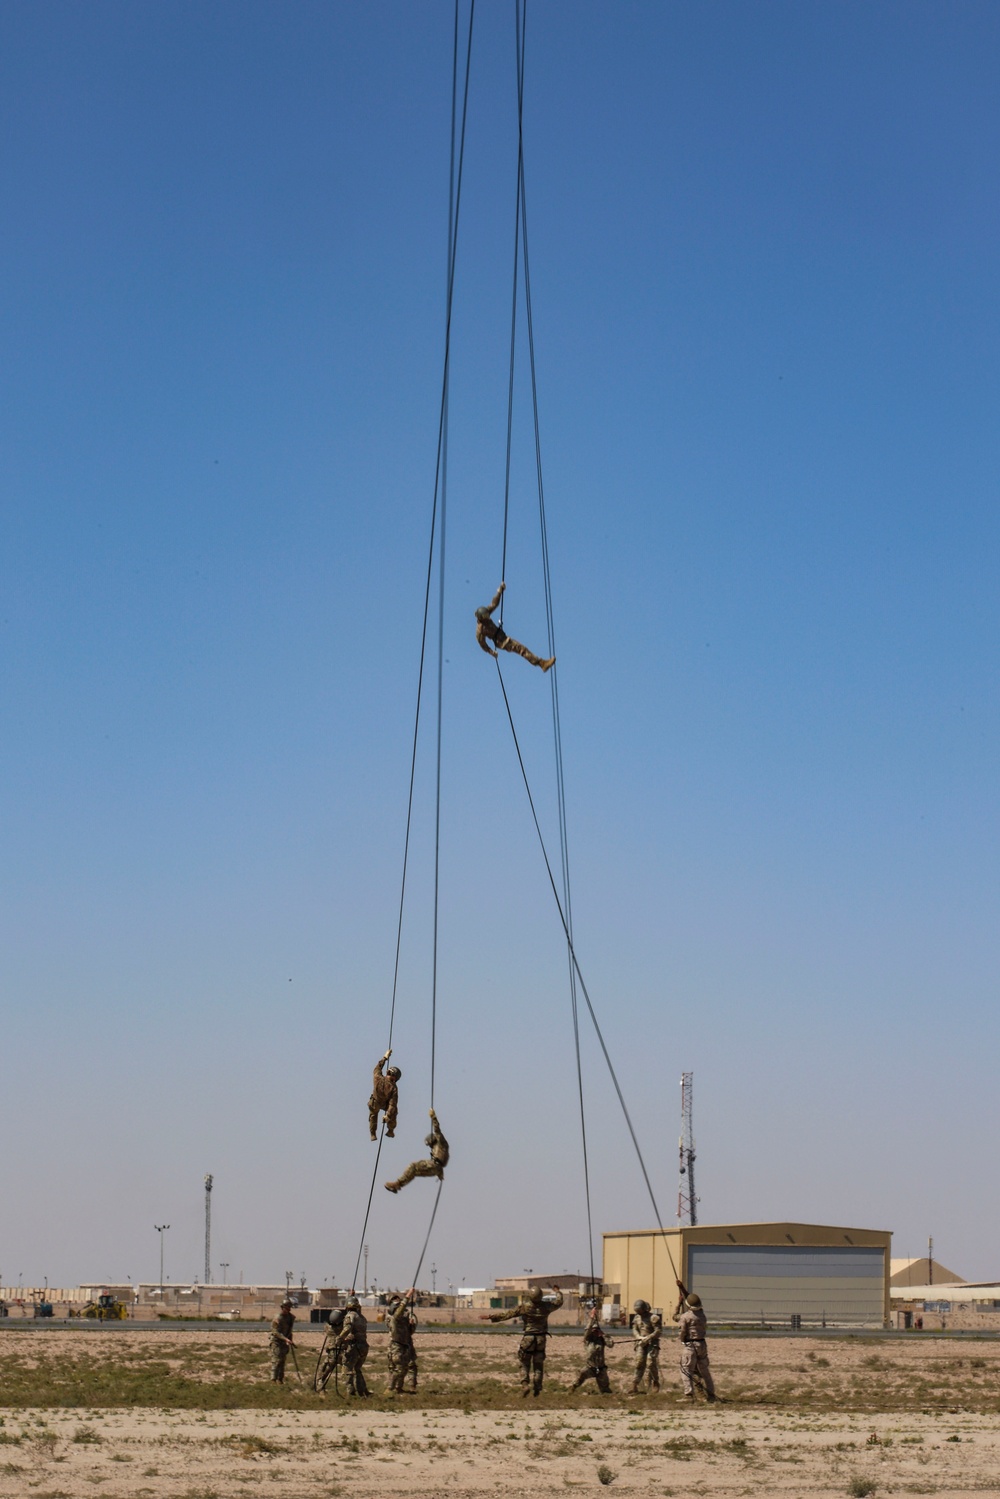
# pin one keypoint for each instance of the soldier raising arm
(434, 1166)
(534, 1310)
(487, 629)
(385, 1095)
(691, 1325)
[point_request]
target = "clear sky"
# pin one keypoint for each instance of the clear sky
(764, 263)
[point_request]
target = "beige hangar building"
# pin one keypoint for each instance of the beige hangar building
(768, 1274)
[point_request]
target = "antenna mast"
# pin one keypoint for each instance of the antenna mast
(208, 1230)
(687, 1199)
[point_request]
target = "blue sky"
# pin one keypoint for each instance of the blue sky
(764, 273)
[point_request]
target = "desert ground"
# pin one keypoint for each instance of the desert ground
(192, 1415)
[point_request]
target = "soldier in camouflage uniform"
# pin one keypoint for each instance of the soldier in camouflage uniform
(535, 1311)
(353, 1343)
(281, 1340)
(646, 1331)
(438, 1147)
(402, 1355)
(384, 1096)
(487, 629)
(691, 1326)
(596, 1343)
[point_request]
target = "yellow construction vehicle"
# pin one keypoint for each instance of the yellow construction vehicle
(106, 1308)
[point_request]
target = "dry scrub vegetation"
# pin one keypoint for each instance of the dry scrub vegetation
(192, 1415)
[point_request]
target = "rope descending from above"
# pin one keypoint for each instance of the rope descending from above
(521, 258)
(580, 979)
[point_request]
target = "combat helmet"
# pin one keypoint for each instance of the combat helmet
(287, 1302)
(536, 1295)
(641, 1308)
(394, 1073)
(353, 1304)
(693, 1299)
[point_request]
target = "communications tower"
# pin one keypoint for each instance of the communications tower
(208, 1230)
(687, 1199)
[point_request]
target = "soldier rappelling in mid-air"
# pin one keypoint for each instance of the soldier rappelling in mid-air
(487, 629)
(534, 1311)
(438, 1146)
(385, 1095)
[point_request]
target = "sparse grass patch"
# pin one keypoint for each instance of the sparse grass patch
(861, 1485)
(87, 1435)
(605, 1475)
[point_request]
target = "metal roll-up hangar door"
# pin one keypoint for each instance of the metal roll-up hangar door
(768, 1283)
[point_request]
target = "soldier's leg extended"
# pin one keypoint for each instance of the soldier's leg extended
(515, 646)
(415, 1168)
(524, 1358)
(640, 1368)
(373, 1117)
(359, 1375)
(538, 1365)
(395, 1368)
(704, 1372)
(390, 1117)
(688, 1367)
(603, 1382)
(654, 1368)
(279, 1353)
(412, 1373)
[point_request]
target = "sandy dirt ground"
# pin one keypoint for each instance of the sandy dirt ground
(799, 1417)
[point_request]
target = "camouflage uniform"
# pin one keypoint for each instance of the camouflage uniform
(646, 1330)
(487, 629)
(280, 1341)
(535, 1313)
(691, 1326)
(384, 1096)
(596, 1366)
(353, 1342)
(402, 1354)
(438, 1147)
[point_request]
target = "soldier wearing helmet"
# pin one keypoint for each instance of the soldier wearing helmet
(353, 1343)
(434, 1166)
(646, 1329)
(401, 1321)
(281, 1340)
(487, 629)
(384, 1096)
(691, 1328)
(596, 1344)
(534, 1310)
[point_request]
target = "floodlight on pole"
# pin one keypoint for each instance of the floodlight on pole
(161, 1229)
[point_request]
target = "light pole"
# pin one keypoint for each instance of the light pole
(161, 1229)
(366, 1269)
(434, 1279)
(224, 1267)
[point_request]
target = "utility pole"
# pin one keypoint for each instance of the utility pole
(930, 1262)
(434, 1279)
(687, 1198)
(161, 1229)
(224, 1267)
(208, 1230)
(366, 1269)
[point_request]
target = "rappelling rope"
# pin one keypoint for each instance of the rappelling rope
(440, 494)
(580, 979)
(521, 255)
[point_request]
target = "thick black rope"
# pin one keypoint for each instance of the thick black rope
(368, 1209)
(427, 1240)
(519, 41)
(454, 205)
(580, 979)
(520, 18)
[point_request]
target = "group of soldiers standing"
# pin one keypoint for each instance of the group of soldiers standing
(533, 1311)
